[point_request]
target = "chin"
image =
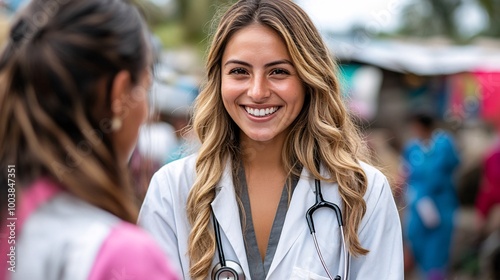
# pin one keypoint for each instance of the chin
(260, 137)
(267, 134)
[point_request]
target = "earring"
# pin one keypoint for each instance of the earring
(116, 123)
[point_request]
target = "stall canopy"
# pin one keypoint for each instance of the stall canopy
(420, 57)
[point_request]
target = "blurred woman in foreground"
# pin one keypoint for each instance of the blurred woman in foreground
(74, 78)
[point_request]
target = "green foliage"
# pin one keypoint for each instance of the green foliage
(492, 8)
(184, 22)
(426, 18)
(171, 34)
(154, 14)
(197, 16)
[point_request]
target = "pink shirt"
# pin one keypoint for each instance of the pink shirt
(129, 253)
(489, 193)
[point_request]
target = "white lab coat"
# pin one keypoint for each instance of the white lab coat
(163, 214)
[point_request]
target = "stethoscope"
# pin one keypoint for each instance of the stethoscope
(230, 270)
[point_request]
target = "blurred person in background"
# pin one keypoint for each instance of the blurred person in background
(73, 95)
(488, 208)
(488, 198)
(430, 161)
(274, 135)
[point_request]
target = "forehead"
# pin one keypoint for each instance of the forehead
(256, 42)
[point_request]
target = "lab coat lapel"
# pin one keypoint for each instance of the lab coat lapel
(226, 211)
(295, 223)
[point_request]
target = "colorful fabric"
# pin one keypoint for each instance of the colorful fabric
(489, 85)
(464, 98)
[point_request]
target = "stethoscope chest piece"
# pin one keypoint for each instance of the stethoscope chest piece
(231, 271)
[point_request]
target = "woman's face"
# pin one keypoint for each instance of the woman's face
(261, 89)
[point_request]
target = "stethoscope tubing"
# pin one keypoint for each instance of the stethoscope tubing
(218, 241)
(320, 203)
(347, 255)
(323, 263)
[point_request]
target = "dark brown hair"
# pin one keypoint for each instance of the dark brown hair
(56, 73)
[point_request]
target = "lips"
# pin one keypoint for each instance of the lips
(261, 112)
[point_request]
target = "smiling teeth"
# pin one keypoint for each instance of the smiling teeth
(261, 112)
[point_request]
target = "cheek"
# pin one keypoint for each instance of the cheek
(138, 115)
(229, 92)
(144, 110)
(294, 94)
(140, 104)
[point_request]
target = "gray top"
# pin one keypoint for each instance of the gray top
(259, 269)
(61, 239)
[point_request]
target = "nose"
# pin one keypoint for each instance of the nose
(259, 90)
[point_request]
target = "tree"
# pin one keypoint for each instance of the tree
(426, 18)
(196, 16)
(492, 8)
(430, 18)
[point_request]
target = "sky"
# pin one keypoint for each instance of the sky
(378, 15)
(341, 15)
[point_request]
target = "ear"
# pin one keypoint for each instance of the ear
(121, 86)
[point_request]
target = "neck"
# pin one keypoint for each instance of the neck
(262, 155)
(427, 135)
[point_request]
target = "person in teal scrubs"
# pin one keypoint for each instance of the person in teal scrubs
(430, 162)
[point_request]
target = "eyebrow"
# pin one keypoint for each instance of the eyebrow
(273, 63)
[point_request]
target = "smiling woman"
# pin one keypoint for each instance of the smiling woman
(260, 88)
(275, 138)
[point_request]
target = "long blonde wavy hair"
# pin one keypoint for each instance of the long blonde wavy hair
(323, 130)
(55, 100)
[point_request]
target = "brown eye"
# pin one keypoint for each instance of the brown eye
(279, 71)
(238, 71)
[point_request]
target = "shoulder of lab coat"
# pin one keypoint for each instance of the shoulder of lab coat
(379, 232)
(160, 213)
